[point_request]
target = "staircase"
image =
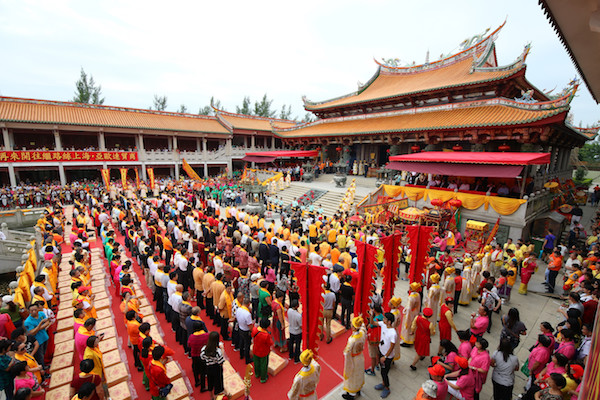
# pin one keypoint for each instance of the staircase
(330, 202)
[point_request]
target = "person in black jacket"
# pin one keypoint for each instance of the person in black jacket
(264, 254)
(347, 300)
(274, 256)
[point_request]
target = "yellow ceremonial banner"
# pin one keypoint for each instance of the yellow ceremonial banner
(151, 177)
(190, 171)
(106, 177)
(137, 179)
(123, 177)
(470, 201)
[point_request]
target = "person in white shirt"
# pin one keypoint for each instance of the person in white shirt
(171, 287)
(389, 336)
(245, 323)
(314, 257)
(176, 301)
(327, 262)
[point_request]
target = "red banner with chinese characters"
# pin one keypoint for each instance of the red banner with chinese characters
(123, 177)
(366, 255)
(311, 288)
(137, 179)
(151, 177)
(106, 177)
(67, 156)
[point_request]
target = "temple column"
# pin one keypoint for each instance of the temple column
(229, 158)
(205, 170)
(245, 142)
(101, 141)
(176, 171)
(272, 142)
(61, 174)
(552, 159)
(57, 142)
(141, 154)
(198, 145)
(11, 175)
(252, 142)
(7, 139)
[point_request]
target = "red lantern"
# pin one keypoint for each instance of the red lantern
(504, 147)
(437, 202)
(388, 151)
(457, 148)
(338, 149)
(455, 203)
(415, 148)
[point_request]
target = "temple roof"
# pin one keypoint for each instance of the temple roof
(472, 66)
(250, 122)
(66, 113)
(589, 132)
(481, 113)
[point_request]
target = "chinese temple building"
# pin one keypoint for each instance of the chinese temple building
(464, 101)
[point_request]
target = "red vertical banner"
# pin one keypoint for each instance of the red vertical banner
(590, 386)
(106, 177)
(123, 177)
(391, 247)
(366, 255)
(311, 288)
(137, 179)
(419, 240)
(151, 177)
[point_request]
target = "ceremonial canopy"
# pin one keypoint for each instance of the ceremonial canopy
(270, 156)
(493, 165)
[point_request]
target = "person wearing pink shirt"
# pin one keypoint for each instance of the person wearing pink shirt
(479, 364)
(567, 347)
(464, 387)
(480, 321)
(538, 358)
(465, 347)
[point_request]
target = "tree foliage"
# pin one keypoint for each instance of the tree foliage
(182, 109)
(308, 117)
(263, 108)
(590, 152)
(208, 110)
(245, 108)
(87, 91)
(285, 113)
(160, 103)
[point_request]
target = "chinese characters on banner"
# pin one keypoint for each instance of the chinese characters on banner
(123, 177)
(106, 177)
(151, 177)
(67, 156)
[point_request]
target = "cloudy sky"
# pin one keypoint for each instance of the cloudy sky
(192, 50)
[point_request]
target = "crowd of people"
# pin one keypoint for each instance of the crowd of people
(205, 259)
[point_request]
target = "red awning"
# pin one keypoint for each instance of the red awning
(459, 157)
(285, 153)
(258, 159)
(456, 169)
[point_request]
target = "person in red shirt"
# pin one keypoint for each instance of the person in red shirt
(457, 288)
(261, 349)
(160, 383)
(196, 342)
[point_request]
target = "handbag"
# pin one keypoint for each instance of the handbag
(525, 368)
(164, 391)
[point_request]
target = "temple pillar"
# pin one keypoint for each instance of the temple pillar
(252, 142)
(176, 171)
(198, 145)
(205, 170)
(140, 147)
(61, 174)
(101, 141)
(229, 158)
(272, 142)
(7, 139)
(174, 142)
(57, 143)
(11, 175)
(553, 159)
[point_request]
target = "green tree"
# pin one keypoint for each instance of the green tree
(308, 117)
(160, 103)
(208, 110)
(182, 109)
(580, 173)
(590, 152)
(263, 108)
(245, 108)
(285, 113)
(87, 91)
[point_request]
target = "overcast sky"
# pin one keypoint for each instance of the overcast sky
(192, 50)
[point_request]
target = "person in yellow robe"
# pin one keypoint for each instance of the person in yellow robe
(304, 386)
(92, 352)
(354, 361)
(410, 313)
(434, 296)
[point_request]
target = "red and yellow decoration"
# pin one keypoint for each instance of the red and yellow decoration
(190, 171)
(137, 179)
(67, 156)
(366, 255)
(123, 177)
(151, 177)
(106, 177)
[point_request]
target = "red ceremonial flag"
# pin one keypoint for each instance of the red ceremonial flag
(391, 246)
(151, 177)
(106, 177)
(419, 240)
(123, 177)
(366, 255)
(311, 288)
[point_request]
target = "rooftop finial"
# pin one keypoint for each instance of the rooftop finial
(427, 57)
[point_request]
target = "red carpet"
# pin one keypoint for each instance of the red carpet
(331, 357)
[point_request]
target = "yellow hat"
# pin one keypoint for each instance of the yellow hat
(487, 248)
(479, 256)
(435, 278)
(357, 322)
(306, 357)
(449, 270)
(467, 261)
(415, 286)
(395, 302)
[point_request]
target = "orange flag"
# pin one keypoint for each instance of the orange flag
(106, 177)
(151, 177)
(190, 171)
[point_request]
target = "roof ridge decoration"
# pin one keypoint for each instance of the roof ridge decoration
(555, 104)
(101, 107)
(248, 116)
(469, 47)
(223, 121)
(518, 63)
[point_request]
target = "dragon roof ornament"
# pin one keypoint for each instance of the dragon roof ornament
(473, 46)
